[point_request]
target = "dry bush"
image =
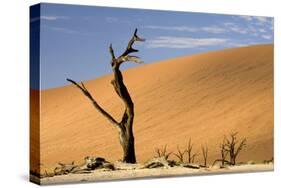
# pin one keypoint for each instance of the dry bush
(180, 154)
(234, 147)
(205, 154)
(224, 152)
(230, 147)
(162, 152)
(190, 155)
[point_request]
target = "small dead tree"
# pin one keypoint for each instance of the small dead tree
(189, 151)
(125, 126)
(223, 153)
(180, 154)
(162, 152)
(193, 157)
(205, 154)
(233, 147)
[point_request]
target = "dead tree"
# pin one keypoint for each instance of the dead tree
(180, 154)
(205, 154)
(189, 150)
(125, 126)
(162, 152)
(233, 147)
(223, 153)
(193, 157)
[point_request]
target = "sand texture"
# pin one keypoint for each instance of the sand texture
(151, 173)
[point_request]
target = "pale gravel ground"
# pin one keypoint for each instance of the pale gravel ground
(149, 173)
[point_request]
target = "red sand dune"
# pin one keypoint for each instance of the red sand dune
(203, 96)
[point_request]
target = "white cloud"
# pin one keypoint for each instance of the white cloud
(49, 18)
(252, 29)
(208, 29)
(213, 29)
(257, 20)
(238, 29)
(247, 18)
(188, 42)
(266, 37)
(261, 19)
(66, 30)
(172, 28)
(259, 26)
(184, 42)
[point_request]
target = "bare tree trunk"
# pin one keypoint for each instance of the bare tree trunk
(128, 146)
(231, 147)
(191, 157)
(224, 153)
(125, 126)
(126, 135)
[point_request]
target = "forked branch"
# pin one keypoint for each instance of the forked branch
(180, 154)
(130, 48)
(189, 151)
(125, 55)
(233, 147)
(162, 152)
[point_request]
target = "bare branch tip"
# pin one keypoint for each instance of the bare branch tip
(71, 81)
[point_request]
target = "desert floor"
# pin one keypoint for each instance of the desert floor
(152, 173)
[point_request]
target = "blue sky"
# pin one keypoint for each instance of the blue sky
(75, 39)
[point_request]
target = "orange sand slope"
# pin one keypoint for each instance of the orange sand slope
(202, 96)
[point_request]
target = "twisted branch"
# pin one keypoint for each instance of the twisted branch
(96, 105)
